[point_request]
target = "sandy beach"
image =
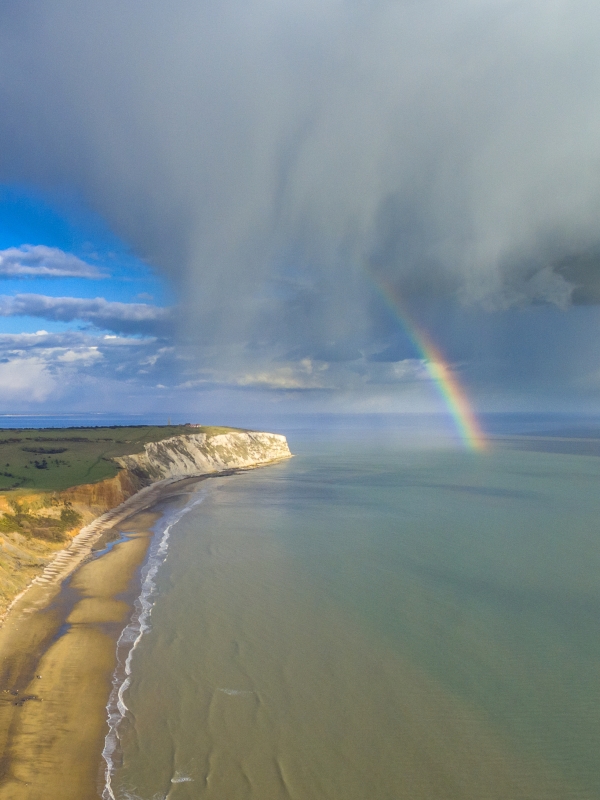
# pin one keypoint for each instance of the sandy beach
(57, 656)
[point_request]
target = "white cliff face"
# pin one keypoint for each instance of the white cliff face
(202, 454)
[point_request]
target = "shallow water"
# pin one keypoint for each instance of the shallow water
(369, 620)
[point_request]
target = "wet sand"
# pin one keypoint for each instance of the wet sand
(57, 656)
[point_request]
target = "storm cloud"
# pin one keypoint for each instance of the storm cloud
(279, 162)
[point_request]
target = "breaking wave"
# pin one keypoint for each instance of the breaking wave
(132, 634)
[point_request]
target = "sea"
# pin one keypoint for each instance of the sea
(386, 615)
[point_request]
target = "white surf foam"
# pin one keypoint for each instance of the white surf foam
(181, 778)
(130, 638)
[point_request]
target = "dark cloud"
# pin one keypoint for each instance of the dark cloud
(279, 162)
(129, 318)
(582, 271)
(454, 136)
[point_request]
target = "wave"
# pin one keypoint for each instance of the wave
(131, 636)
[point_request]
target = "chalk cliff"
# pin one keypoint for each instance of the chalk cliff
(26, 559)
(203, 454)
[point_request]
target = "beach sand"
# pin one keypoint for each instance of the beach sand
(57, 656)
(52, 743)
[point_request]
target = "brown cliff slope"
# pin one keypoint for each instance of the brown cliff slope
(43, 535)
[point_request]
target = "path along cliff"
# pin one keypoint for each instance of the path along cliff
(142, 477)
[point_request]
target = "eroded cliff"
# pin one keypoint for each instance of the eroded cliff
(202, 454)
(24, 556)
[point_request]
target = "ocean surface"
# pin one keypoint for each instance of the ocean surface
(384, 616)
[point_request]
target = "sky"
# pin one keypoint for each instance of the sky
(212, 206)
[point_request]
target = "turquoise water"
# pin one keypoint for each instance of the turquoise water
(371, 620)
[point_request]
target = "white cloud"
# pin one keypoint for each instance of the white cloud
(26, 379)
(310, 375)
(281, 378)
(76, 368)
(42, 340)
(86, 355)
(409, 369)
(101, 313)
(39, 261)
(300, 375)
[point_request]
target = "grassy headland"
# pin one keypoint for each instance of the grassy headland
(53, 481)
(54, 459)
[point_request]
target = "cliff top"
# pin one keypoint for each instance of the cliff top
(54, 459)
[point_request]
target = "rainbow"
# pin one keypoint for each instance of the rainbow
(443, 377)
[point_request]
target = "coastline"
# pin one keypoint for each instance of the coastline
(60, 635)
(58, 655)
(64, 562)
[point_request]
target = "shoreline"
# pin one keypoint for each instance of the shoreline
(64, 562)
(37, 546)
(58, 648)
(58, 655)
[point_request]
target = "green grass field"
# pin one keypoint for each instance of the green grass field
(52, 459)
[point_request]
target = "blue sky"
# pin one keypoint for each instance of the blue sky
(29, 217)
(198, 217)
(84, 332)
